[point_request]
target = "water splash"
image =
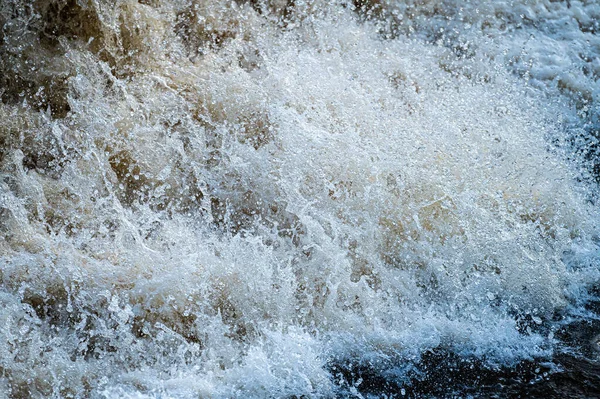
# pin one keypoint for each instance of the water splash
(234, 198)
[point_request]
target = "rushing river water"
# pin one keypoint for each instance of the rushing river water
(299, 198)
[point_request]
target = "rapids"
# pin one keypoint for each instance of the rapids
(215, 198)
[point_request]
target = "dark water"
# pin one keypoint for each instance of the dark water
(572, 372)
(443, 375)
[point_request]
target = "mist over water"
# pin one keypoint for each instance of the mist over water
(223, 199)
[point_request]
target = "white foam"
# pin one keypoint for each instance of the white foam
(237, 222)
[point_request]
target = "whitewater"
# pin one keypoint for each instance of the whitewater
(296, 198)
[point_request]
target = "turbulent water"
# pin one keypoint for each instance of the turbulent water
(298, 198)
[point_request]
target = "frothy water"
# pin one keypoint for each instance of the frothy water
(251, 199)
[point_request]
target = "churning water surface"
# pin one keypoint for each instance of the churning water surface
(299, 198)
